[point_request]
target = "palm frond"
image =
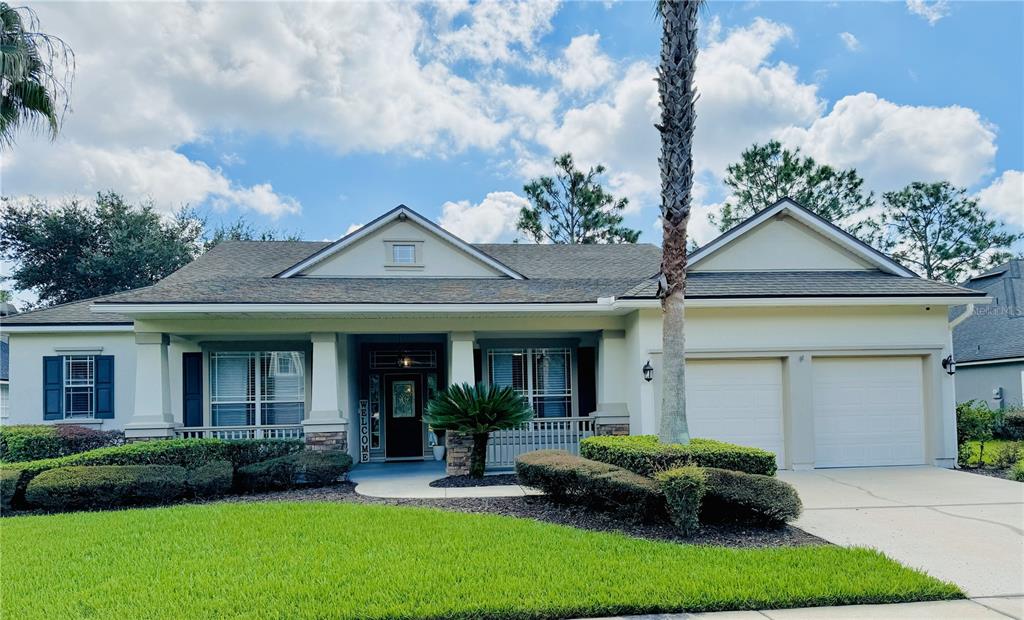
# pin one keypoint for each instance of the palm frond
(473, 409)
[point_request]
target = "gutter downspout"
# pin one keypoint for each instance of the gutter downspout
(966, 314)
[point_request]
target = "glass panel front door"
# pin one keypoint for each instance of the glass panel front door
(403, 406)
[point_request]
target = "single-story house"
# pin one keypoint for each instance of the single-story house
(800, 339)
(989, 343)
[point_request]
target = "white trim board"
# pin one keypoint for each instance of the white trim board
(398, 213)
(812, 221)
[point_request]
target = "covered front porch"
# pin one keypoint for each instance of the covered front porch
(365, 391)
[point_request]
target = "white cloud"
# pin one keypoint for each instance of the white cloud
(850, 41)
(352, 228)
(892, 145)
(492, 219)
(1004, 199)
(583, 66)
(743, 98)
(930, 11)
(495, 31)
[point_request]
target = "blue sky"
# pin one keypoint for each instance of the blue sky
(316, 118)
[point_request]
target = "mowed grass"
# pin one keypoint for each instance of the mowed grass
(333, 560)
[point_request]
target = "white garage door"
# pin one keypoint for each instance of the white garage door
(739, 401)
(868, 411)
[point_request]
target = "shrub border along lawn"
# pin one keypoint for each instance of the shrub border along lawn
(316, 560)
(646, 455)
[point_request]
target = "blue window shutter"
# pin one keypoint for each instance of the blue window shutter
(192, 389)
(53, 387)
(104, 383)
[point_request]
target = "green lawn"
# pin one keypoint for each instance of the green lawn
(334, 560)
(992, 448)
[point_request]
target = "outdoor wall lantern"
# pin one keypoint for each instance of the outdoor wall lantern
(648, 371)
(949, 364)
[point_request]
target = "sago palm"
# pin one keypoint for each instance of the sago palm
(678, 95)
(477, 410)
(33, 92)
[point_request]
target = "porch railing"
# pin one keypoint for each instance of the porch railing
(538, 434)
(240, 432)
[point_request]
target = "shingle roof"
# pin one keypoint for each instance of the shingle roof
(996, 330)
(74, 313)
(242, 272)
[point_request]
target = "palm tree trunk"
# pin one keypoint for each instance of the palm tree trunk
(478, 458)
(678, 96)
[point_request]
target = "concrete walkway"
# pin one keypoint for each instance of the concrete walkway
(412, 480)
(956, 526)
(974, 609)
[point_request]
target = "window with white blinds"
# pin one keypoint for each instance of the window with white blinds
(542, 375)
(257, 388)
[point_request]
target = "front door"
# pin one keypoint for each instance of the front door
(403, 407)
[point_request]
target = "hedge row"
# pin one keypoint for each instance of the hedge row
(646, 455)
(571, 478)
(689, 494)
(31, 442)
(310, 468)
(188, 453)
(1012, 426)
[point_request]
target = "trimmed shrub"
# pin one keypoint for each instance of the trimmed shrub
(105, 486)
(309, 468)
(684, 489)
(1017, 471)
(31, 442)
(1007, 455)
(733, 495)
(8, 485)
(646, 455)
(1012, 426)
(187, 453)
(209, 480)
(572, 478)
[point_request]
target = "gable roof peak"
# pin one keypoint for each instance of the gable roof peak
(399, 213)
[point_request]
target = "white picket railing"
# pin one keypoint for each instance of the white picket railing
(537, 434)
(240, 432)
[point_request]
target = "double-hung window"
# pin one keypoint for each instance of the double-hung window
(542, 375)
(78, 387)
(258, 388)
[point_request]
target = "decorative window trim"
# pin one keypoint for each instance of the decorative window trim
(389, 256)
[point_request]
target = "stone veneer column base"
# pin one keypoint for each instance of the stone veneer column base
(617, 429)
(328, 440)
(459, 447)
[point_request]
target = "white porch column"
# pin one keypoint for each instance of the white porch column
(324, 427)
(460, 358)
(612, 415)
(152, 417)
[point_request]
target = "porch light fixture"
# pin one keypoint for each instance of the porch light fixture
(648, 371)
(405, 361)
(949, 364)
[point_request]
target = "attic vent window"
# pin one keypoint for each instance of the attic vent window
(403, 254)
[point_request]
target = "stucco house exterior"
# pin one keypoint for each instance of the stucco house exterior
(989, 342)
(800, 339)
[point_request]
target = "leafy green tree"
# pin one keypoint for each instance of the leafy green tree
(677, 96)
(34, 91)
(767, 173)
(940, 232)
(477, 410)
(572, 207)
(243, 230)
(78, 249)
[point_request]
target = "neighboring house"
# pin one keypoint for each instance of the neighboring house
(800, 339)
(989, 344)
(6, 309)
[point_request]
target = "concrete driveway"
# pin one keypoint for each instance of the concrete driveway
(959, 527)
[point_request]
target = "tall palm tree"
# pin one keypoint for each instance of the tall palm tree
(36, 70)
(678, 96)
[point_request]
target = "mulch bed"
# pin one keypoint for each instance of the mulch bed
(544, 509)
(991, 472)
(459, 482)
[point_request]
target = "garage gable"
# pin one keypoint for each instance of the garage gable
(788, 237)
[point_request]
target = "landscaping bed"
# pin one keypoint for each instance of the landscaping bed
(339, 560)
(459, 482)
